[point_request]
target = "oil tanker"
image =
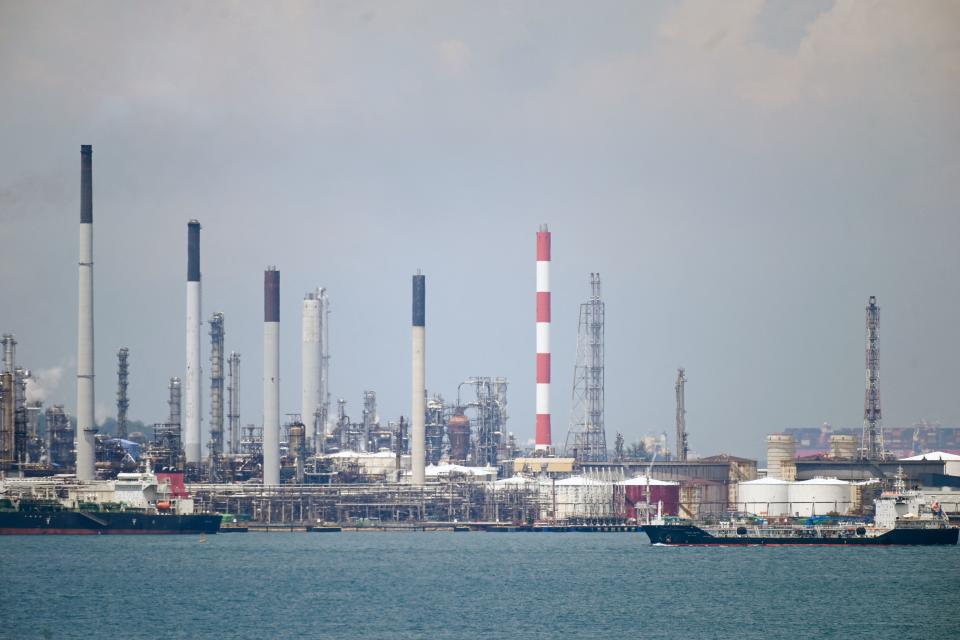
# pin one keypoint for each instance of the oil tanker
(902, 518)
(27, 516)
(134, 503)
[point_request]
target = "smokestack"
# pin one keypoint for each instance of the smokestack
(271, 376)
(310, 367)
(418, 407)
(86, 426)
(543, 439)
(191, 433)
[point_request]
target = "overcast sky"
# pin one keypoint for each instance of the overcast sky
(742, 174)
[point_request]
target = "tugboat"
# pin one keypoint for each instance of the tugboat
(902, 518)
(134, 503)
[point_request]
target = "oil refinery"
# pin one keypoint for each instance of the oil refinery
(449, 460)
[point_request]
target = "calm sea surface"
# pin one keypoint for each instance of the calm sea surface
(467, 585)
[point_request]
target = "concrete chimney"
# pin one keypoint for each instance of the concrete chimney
(271, 376)
(544, 440)
(191, 435)
(418, 400)
(86, 424)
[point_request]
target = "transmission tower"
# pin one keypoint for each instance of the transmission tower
(682, 447)
(587, 438)
(123, 381)
(872, 440)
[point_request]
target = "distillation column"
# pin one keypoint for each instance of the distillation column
(310, 358)
(216, 390)
(233, 401)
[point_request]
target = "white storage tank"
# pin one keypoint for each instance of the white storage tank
(764, 497)
(820, 496)
(781, 456)
(577, 497)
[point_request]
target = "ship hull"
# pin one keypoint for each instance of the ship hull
(105, 523)
(693, 535)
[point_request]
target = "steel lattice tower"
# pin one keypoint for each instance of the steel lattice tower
(872, 440)
(587, 438)
(682, 447)
(123, 381)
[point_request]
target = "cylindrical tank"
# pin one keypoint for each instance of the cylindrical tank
(764, 497)
(458, 431)
(843, 447)
(820, 496)
(781, 456)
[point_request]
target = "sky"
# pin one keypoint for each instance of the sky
(743, 175)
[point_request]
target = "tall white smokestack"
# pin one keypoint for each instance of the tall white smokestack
(191, 434)
(418, 405)
(86, 426)
(271, 376)
(310, 367)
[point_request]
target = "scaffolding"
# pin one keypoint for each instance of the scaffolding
(587, 437)
(123, 381)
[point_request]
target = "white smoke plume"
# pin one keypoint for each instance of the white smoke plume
(101, 413)
(43, 384)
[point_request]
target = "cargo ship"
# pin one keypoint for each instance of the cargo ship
(901, 518)
(134, 503)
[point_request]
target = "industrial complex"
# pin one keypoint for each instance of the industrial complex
(447, 459)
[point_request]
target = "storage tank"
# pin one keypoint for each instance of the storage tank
(578, 498)
(635, 493)
(781, 456)
(458, 432)
(843, 447)
(820, 496)
(764, 497)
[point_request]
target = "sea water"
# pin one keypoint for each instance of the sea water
(467, 585)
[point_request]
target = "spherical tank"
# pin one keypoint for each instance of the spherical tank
(458, 432)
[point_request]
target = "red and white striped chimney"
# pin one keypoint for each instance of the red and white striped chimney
(543, 441)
